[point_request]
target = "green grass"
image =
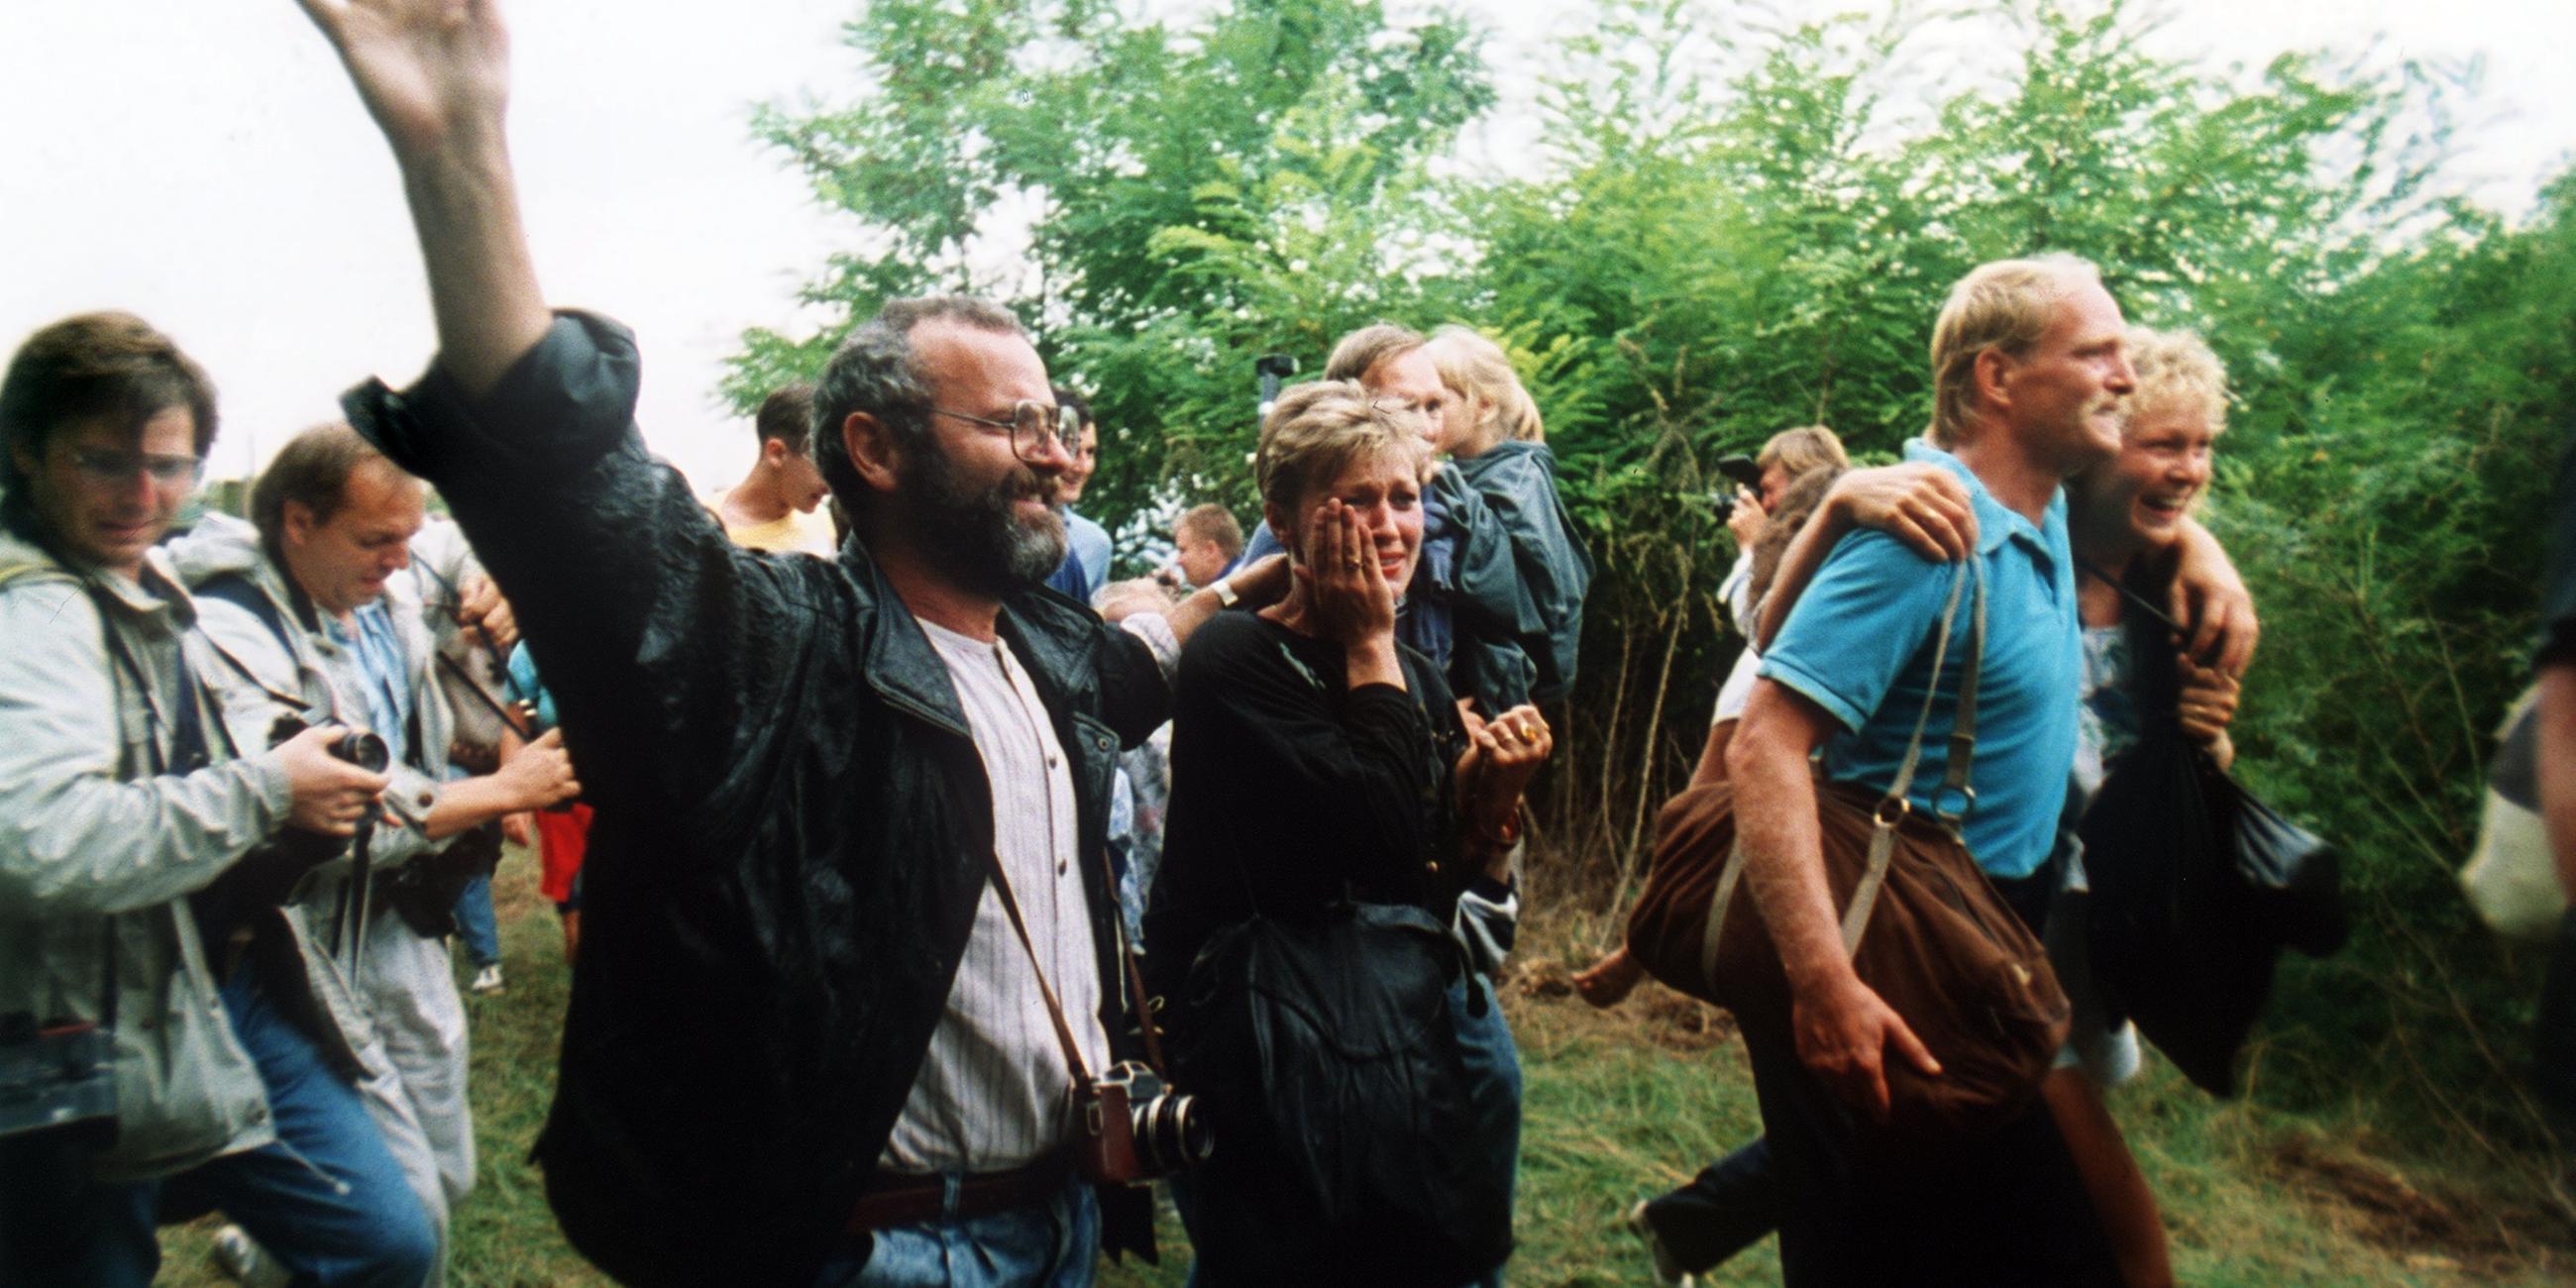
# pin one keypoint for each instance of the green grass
(1623, 1104)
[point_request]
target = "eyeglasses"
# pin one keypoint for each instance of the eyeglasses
(1031, 424)
(105, 467)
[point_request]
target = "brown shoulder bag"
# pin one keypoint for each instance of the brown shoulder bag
(1925, 929)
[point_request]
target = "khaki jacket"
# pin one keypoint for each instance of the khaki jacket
(99, 850)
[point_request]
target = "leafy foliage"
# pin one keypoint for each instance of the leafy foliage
(1730, 229)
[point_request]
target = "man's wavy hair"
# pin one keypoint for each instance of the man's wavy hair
(92, 366)
(877, 371)
(313, 471)
(1355, 353)
(787, 415)
(2005, 305)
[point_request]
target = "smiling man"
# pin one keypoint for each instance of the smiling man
(2029, 371)
(807, 1042)
(1085, 568)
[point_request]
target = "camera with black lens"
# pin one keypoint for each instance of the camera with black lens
(1136, 1128)
(355, 746)
(266, 876)
(1741, 471)
(54, 1074)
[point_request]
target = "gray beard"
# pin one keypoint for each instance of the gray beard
(981, 542)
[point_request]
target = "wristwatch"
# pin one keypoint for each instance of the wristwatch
(1225, 592)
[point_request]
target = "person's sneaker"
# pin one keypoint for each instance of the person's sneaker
(1668, 1272)
(239, 1256)
(487, 980)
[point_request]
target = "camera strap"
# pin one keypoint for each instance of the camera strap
(1055, 1009)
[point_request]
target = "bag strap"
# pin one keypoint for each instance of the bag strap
(1138, 1001)
(2136, 600)
(1055, 1009)
(1893, 807)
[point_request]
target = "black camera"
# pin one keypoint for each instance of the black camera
(53, 1075)
(267, 875)
(1136, 1128)
(1741, 470)
(356, 746)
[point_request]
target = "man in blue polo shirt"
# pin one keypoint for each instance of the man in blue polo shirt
(2028, 376)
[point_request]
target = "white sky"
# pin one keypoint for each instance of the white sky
(204, 163)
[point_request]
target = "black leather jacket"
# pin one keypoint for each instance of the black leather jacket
(792, 823)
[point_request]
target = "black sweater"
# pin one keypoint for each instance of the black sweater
(1292, 791)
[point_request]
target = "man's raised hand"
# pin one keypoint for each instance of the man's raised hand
(436, 76)
(432, 72)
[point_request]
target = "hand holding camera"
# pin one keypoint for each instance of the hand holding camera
(333, 785)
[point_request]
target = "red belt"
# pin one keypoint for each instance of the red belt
(911, 1198)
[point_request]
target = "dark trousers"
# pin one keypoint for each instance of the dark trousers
(2553, 1039)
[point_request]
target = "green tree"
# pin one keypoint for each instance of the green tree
(1176, 198)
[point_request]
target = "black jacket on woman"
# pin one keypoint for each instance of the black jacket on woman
(793, 832)
(1291, 790)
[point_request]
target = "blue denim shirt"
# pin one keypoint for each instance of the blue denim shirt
(378, 647)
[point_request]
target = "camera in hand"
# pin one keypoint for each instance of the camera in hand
(1741, 471)
(355, 746)
(1136, 1128)
(267, 875)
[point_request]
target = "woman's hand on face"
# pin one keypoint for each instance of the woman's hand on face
(1352, 604)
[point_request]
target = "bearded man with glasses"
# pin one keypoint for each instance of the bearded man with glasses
(806, 1043)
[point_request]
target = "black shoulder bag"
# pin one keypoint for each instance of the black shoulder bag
(1341, 1102)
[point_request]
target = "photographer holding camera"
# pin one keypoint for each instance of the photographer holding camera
(318, 600)
(134, 1045)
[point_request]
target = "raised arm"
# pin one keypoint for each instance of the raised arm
(1923, 506)
(435, 74)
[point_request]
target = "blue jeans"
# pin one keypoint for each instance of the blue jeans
(476, 925)
(325, 1198)
(1486, 1043)
(1054, 1244)
(1731, 1205)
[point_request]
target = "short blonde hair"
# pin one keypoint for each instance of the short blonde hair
(1495, 405)
(2178, 371)
(1317, 430)
(2006, 305)
(1808, 447)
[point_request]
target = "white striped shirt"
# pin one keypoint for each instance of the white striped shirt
(993, 1092)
